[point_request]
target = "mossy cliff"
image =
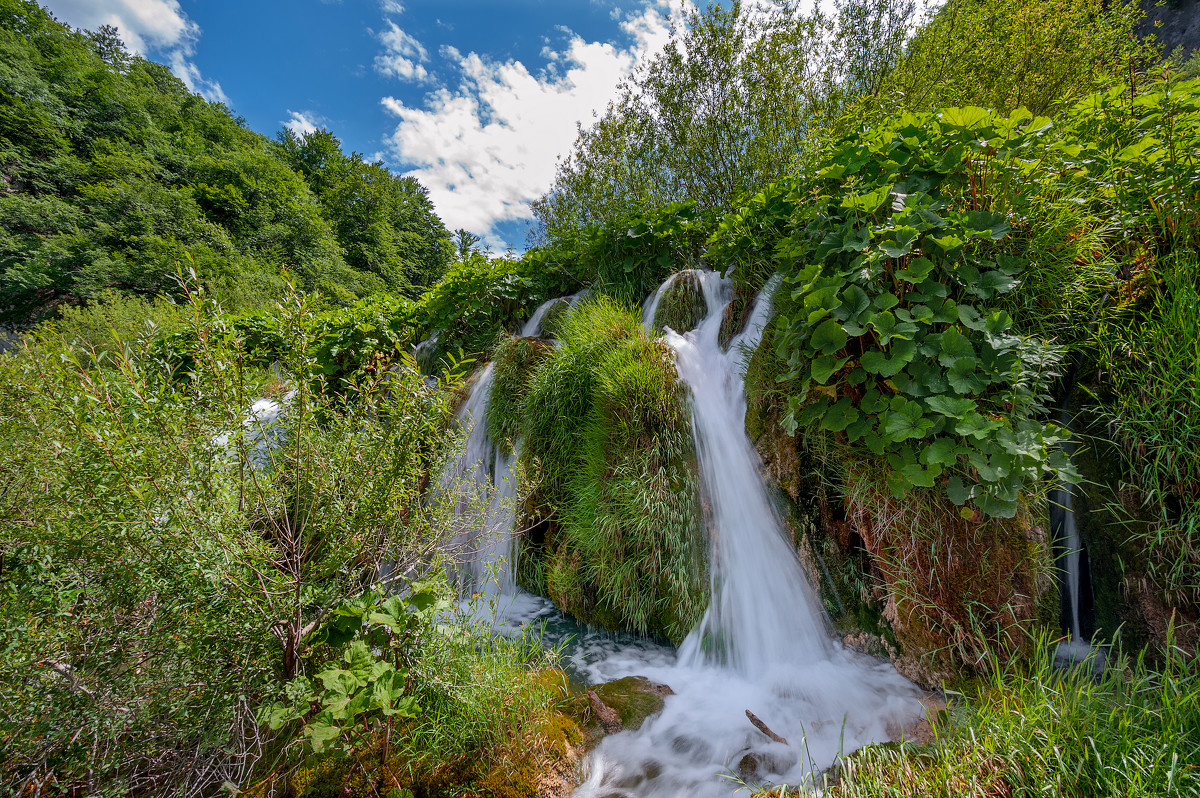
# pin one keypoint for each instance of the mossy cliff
(610, 500)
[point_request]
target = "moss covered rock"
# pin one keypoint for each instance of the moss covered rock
(682, 305)
(613, 510)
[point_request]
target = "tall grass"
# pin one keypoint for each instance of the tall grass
(1034, 730)
(1151, 403)
(606, 430)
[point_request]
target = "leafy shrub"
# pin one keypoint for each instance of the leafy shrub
(629, 257)
(883, 321)
(160, 573)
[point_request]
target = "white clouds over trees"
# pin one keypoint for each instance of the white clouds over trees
(146, 25)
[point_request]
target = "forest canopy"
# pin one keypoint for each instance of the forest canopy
(117, 179)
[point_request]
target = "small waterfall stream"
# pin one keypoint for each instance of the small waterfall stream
(763, 645)
(1074, 569)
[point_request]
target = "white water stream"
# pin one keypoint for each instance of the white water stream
(763, 645)
(481, 482)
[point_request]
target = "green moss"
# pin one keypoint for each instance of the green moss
(737, 313)
(514, 362)
(634, 698)
(682, 305)
(607, 433)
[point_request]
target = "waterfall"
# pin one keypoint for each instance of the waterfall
(533, 327)
(1073, 567)
(480, 479)
(763, 645)
(650, 309)
(483, 484)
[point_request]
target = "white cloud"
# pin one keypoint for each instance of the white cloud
(145, 25)
(403, 56)
(488, 148)
(303, 122)
(391, 7)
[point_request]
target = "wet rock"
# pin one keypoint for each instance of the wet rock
(760, 764)
(634, 699)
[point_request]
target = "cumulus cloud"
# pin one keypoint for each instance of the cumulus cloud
(403, 55)
(488, 148)
(303, 122)
(146, 25)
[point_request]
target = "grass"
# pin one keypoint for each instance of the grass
(1033, 730)
(1150, 399)
(514, 362)
(606, 429)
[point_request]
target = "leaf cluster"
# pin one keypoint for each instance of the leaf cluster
(891, 257)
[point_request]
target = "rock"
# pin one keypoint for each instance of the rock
(760, 764)
(634, 699)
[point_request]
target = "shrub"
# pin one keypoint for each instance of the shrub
(160, 570)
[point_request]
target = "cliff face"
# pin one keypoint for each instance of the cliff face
(1180, 24)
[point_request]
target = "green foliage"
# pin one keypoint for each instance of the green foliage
(115, 320)
(1012, 54)
(630, 256)
(116, 174)
(515, 361)
(162, 565)
(742, 96)
(1148, 396)
(884, 323)
(378, 635)
(385, 223)
(605, 429)
(1034, 729)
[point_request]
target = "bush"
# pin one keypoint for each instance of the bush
(162, 567)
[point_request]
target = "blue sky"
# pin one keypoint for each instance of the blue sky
(476, 99)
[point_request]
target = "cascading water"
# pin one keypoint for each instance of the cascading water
(484, 487)
(763, 645)
(533, 327)
(1073, 567)
(480, 479)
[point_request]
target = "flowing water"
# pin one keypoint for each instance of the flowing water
(763, 645)
(1073, 567)
(482, 486)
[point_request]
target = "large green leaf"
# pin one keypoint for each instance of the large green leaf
(949, 406)
(828, 337)
(825, 366)
(840, 416)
